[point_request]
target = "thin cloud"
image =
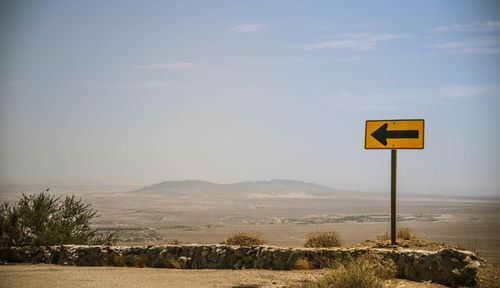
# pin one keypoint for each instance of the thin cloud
(361, 25)
(356, 58)
(170, 65)
(479, 45)
(12, 84)
(147, 85)
(404, 100)
(137, 85)
(354, 41)
(463, 91)
(247, 28)
(365, 102)
(474, 27)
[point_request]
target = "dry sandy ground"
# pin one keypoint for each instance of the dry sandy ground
(44, 275)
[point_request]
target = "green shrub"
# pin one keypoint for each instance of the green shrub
(245, 238)
(322, 239)
(44, 220)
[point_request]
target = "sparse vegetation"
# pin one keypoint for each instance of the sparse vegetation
(386, 236)
(43, 220)
(322, 239)
(105, 238)
(384, 268)
(245, 238)
(405, 238)
(401, 234)
(471, 245)
(173, 242)
(303, 264)
(173, 262)
(334, 218)
(362, 272)
(406, 234)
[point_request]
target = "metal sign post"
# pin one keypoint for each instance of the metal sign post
(394, 135)
(394, 167)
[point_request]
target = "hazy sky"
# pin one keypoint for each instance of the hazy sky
(139, 92)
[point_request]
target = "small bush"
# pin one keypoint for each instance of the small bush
(406, 234)
(322, 239)
(401, 234)
(45, 220)
(105, 238)
(350, 273)
(386, 236)
(302, 264)
(245, 238)
(173, 242)
(384, 268)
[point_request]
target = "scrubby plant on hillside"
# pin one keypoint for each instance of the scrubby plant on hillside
(245, 238)
(322, 239)
(362, 272)
(402, 234)
(173, 242)
(43, 220)
(406, 234)
(302, 264)
(469, 245)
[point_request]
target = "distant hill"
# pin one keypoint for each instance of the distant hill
(277, 188)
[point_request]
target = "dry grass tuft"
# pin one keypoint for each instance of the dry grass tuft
(173, 263)
(402, 234)
(384, 268)
(245, 238)
(386, 236)
(113, 259)
(173, 242)
(471, 245)
(322, 239)
(359, 272)
(406, 234)
(303, 264)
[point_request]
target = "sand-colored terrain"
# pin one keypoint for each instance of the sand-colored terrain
(44, 275)
(206, 215)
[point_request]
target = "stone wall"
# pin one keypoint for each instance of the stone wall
(447, 266)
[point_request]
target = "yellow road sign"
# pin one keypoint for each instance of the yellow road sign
(394, 134)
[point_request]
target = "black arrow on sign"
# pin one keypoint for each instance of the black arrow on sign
(382, 134)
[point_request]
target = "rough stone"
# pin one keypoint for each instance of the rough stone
(447, 266)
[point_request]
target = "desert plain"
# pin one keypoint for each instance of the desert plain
(284, 211)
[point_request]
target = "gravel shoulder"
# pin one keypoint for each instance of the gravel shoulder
(48, 275)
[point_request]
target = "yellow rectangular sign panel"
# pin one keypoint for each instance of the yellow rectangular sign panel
(394, 134)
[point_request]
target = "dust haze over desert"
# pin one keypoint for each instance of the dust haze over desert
(192, 120)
